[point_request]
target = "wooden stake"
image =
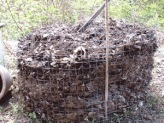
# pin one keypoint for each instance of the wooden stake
(107, 59)
(83, 28)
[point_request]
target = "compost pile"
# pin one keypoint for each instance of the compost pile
(62, 71)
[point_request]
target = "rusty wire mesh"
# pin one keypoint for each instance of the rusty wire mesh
(62, 72)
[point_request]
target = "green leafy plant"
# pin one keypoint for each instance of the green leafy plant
(21, 15)
(32, 115)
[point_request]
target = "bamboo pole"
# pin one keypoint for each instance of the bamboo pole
(107, 59)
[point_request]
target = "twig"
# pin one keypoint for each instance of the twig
(13, 16)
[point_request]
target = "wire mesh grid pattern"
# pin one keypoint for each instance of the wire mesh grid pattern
(62, 72)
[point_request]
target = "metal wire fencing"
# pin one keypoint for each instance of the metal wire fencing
(62, 71)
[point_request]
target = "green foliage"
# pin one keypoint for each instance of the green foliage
(16, 108)
(23, 15)
(148, 12)
(32, 115)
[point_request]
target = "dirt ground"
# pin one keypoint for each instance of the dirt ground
(11, 111)
(157, 84)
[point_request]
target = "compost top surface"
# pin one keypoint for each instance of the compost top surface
(62, 43)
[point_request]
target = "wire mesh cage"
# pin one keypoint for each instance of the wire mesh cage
(62, 72)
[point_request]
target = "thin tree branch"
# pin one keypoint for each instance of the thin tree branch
(13, 16)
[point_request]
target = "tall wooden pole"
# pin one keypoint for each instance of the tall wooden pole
(107, 59)
(83, 28)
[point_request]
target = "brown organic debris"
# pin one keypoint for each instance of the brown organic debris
(62, 72)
